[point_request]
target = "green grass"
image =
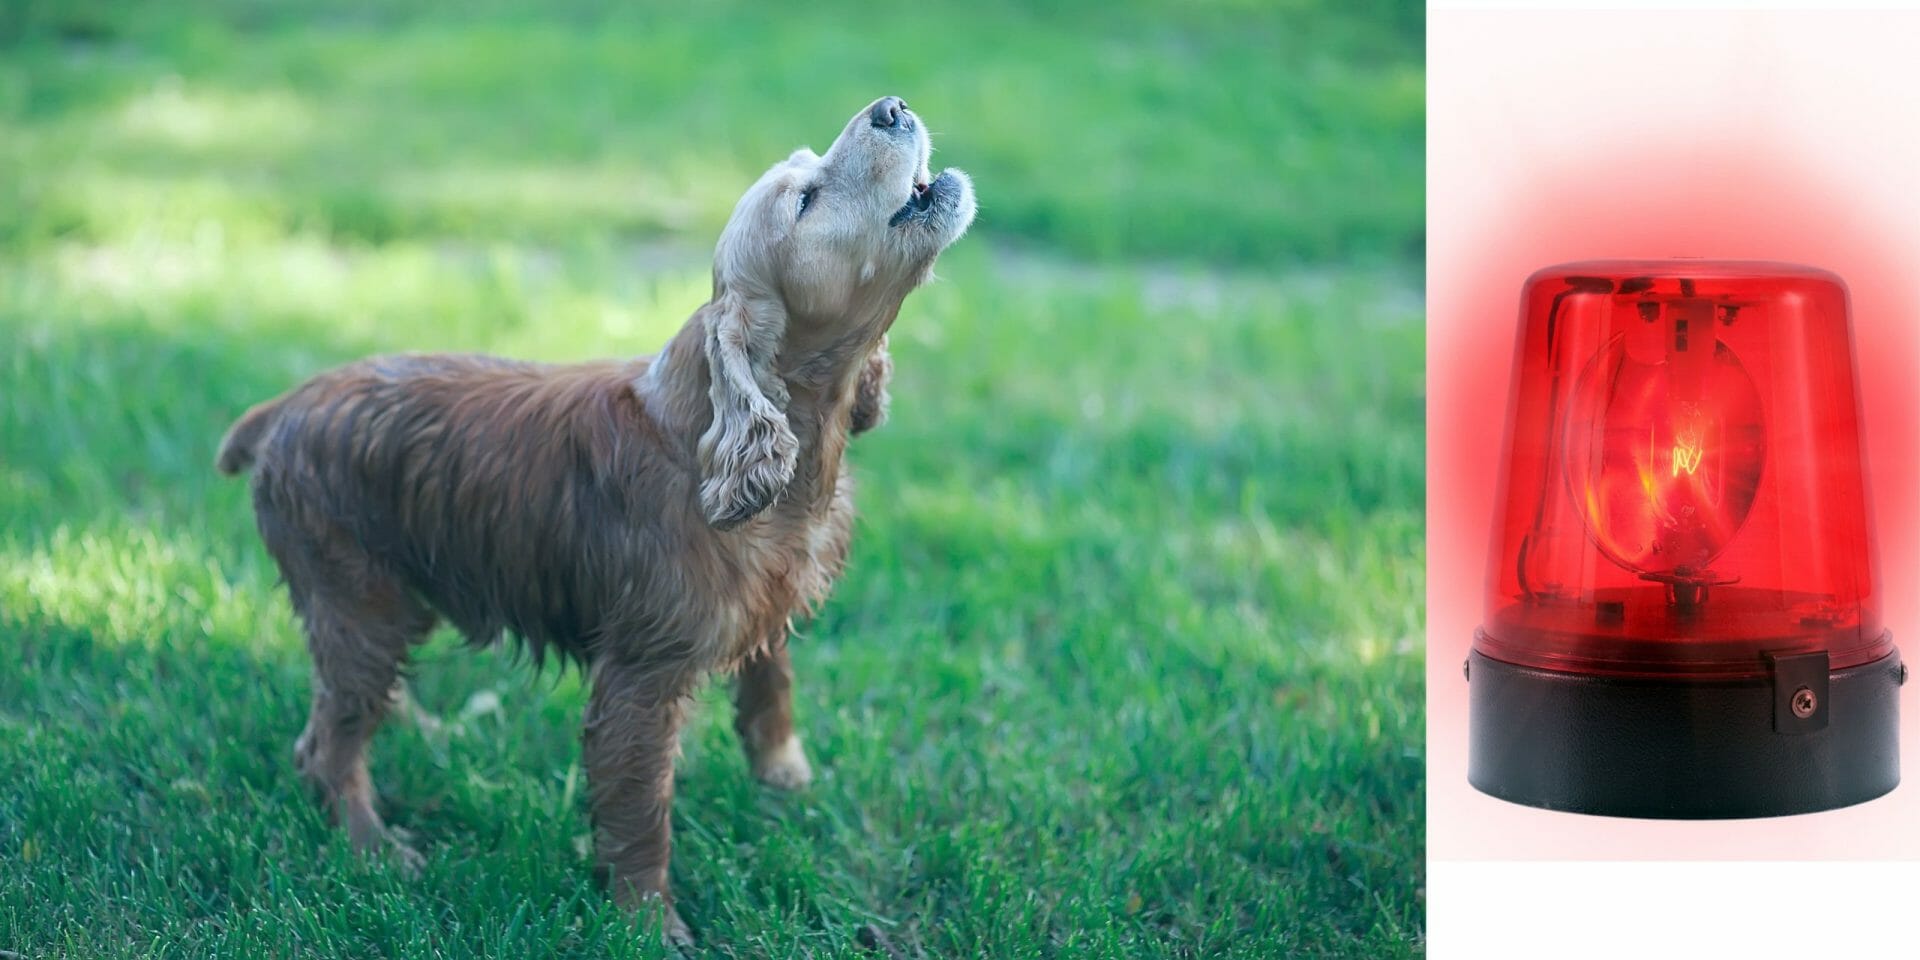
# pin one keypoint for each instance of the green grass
(1233, 132)
(1126, 661)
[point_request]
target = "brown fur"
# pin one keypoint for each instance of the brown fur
(655, 520)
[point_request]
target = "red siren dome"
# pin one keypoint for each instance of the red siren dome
(1684, 485)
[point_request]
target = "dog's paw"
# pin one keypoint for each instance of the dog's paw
(386, 844)
(784, 767)
(673, 930)
(410, 862)
(303, 758)
(396, 843)
(678, 936)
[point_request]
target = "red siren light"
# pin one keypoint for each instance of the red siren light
(1681, 613)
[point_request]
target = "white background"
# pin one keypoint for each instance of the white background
(1624, 910)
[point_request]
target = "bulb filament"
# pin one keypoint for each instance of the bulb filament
(1686, 456)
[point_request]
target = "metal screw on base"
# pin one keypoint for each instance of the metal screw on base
(1804, 703)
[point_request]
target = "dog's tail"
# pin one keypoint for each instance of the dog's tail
(242, 442)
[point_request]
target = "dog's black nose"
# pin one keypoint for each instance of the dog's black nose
(887, 112)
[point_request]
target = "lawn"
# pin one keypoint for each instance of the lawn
(1127, 659)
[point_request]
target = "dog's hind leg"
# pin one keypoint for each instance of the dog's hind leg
(763, 716)
(359, 638)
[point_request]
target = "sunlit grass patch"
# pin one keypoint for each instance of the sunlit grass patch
(137, 588)
(232, 124)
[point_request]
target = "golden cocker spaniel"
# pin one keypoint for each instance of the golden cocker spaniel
(657, 519)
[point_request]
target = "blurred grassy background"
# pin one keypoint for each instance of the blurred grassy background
(1127, 662)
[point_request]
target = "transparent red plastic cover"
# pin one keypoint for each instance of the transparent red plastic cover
(1683, 488)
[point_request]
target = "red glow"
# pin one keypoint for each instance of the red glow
(1684, 486)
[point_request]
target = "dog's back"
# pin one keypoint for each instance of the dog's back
(428, 469)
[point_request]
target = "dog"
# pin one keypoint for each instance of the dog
(655, 520)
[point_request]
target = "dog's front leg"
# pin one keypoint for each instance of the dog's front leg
(632, 734)
(763, 705)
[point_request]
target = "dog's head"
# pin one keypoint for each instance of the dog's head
(814, 263)
(835, 238)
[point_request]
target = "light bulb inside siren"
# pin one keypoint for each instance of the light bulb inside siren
(1665, 445)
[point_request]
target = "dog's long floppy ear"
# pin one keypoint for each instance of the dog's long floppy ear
(870, 394)
(747, 455)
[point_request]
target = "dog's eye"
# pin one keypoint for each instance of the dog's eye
(806, 198)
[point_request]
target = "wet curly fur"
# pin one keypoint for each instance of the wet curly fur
(655, 520)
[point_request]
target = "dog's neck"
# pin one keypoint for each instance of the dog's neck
(820, 372)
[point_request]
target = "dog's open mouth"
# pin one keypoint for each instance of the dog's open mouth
(919, 200)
